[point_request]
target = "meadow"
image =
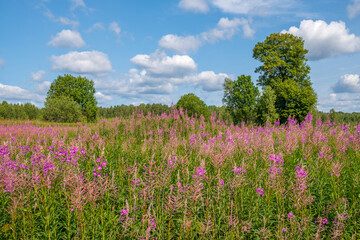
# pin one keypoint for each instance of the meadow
(171, 176)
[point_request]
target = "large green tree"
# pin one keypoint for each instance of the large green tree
(79, 89)
(240, 97)
(193, 105)
(286, 71)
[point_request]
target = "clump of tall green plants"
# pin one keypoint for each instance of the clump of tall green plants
(171, 176)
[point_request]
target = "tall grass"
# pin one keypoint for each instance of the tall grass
(174, 177)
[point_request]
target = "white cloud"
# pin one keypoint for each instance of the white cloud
(77, 3)
(2, 62)
(16, 93)
(91, 62)
(159, 64)
(353, 9)
(224, 30)
(180, 44)
(101, 98)
(62, 20)
(114, 27)
(348, 83)
(344, 102)
(96, 26)
(67, 39)
(42, 88)
(37, 76)
(194, 5)
(254, 7)
(325, 40)
(210, 81)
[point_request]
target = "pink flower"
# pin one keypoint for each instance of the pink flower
(291, 215)
(222, 182)
(260, 191)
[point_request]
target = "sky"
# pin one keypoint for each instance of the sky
(141, 51)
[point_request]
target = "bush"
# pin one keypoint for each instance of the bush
(62, 109)
(193, 104)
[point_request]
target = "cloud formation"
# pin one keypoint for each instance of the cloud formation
(194, 5)
(67, 39)
(87, 62)
(348, 83)
(77, 3)
(96, 26)
(114, 27)
(62, 20)
(224, 30)
(15, 93)
(253, 7)
(325, 40)
(101, 98)
(353, 9)
(37, 76)
(159, 64)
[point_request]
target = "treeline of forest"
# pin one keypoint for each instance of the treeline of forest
(29, 111)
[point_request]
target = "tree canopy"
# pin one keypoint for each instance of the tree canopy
(79, 89)
(286, 71)
(240, 97)
(193, 104)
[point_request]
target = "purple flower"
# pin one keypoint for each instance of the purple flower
(172, 187)
(300, 172)
(222, 182)
(291, 215)
(260, 191)
(124, 212)
(239, 170)
(200, 172)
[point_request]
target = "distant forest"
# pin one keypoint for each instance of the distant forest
(29, 111)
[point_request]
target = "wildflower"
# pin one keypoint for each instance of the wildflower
(222, 182)
(300, 172)
(72, 209)
(260, 191)
(291, 215)
(172, 187)
(124, 212)
(200, 172)
(239, 170)
(284, 229)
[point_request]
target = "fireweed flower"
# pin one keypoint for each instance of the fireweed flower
(200, 172)
(290, 216)
(221, 182)
(260, 191)
(239, 170)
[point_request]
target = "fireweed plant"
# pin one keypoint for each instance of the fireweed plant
(176, 177)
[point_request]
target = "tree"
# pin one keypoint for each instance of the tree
(265, 110)
(240, 97)
(62, 109)
(193, 104)
(79, 89)
(286, 71)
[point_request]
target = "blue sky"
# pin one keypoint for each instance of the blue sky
(141, 51)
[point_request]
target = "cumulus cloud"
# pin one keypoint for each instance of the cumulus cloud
(101, 98)
(37, 76)
(114, 27)
(67, 39)
(159, 64)
(2, 62)
(325, 40)
(348, 83)
(224, 30)
(353, 9)
(344, 102)
(180, 44)
(42, 88)
(15, 93)
(194, 5)
(90, 62)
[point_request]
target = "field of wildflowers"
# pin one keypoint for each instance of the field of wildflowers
(175, 177)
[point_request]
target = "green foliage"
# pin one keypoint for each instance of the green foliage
(265, 109)
(18, 111)
(286, 71)
(240, 98)
(79, 89)
(193, 104)
(62, 109)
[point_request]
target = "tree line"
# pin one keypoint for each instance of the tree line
(286, 91)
